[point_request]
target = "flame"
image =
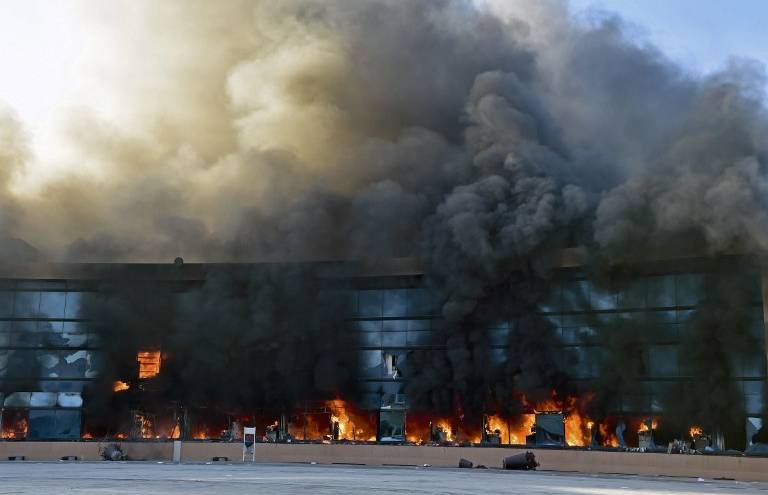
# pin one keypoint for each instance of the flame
(120, 386)
(149, 363)
(578, 427)
(353, 424)
(445, 425)
(175, 432)
(696, 431)
(87, 436)
(578, 433)
(317, 423)
(608, 436)
(513, 432)
(16, 429)
(418, 428)
(644, 427)
(497, 424)
(142, 427)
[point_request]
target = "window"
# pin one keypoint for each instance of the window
(552, 302)
(419, 302)
(26, 304)
(6, 303)
(367, 326)
(370, 364)
(690, 289)
(661, 291)
(393, 339)
(394, 325)
(753, 397)
(576, 296)
(369, 303)
(663, 360)
(423, 338)
(395, 302)
(52, 304)
(370, 339)
(632, 296)
(53, 424)
(602, 298)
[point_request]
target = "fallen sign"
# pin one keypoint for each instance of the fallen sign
(522, 462)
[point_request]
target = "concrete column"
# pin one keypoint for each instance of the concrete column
(177, 451)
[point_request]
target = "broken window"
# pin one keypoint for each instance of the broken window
(390, 364)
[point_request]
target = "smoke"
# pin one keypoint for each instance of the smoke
(316, 130)
(705, 188)
(13, 152)
(475, 136)
(268, 337)
(276, 344)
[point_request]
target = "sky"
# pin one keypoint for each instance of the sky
(700, 34)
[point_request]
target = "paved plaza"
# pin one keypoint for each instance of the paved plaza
(223, 479)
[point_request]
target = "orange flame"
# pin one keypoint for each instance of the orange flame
(15, 430)
(644, 427)
(609, 437)
(696, 431)
(578, 432)
(120, 386)
(353, 425)
(149, 363)
(418, 428)
(175, 432)
(512, 432)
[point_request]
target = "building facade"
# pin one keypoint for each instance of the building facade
(49, 354)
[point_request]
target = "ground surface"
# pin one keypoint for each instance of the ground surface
(224, 479)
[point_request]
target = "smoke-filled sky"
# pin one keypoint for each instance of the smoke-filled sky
(249, 130)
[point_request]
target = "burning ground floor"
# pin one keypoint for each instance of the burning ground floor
(553, 423)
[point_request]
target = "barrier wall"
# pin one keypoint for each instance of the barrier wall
(704, 466)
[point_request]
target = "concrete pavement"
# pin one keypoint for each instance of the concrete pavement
(223, 479)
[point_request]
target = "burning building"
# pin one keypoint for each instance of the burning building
(173, 351)
(569, 226)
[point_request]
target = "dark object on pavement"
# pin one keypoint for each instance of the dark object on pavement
(524, 462)
(463, 463)
(113, 452)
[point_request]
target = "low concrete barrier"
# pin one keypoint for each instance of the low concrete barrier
(85, 451)
(704, 466)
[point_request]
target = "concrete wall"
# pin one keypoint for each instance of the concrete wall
(85, 451)
(740, 468)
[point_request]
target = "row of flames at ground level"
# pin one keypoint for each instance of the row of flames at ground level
(336, 420)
